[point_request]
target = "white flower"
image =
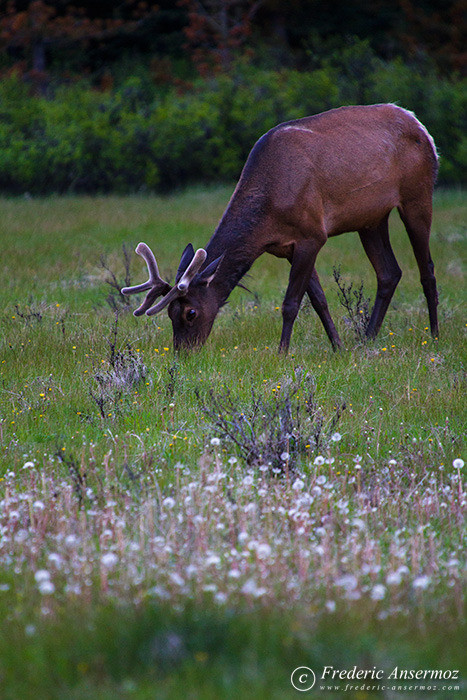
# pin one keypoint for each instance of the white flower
(392, 462)
(168, 502)
(55, 559)
(285, 456)
(263, 550)
(46, 587)
(378, 592)
(248, 480)
(215, 442)
(458, 463)
(213, 560)
(250, 588)
(298, 484)
(41, 575)
(347, 581)
(393, 578)
(336, 437)
(321, 480)
(319, 461)
(176, 579)
(232, 460)
(421, 582)
(28, 465)
(330, 606)
(109, 560)
(358, 523)
(38, 505)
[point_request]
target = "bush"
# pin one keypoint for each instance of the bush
(132, 139)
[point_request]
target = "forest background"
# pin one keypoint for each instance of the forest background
(140, 97)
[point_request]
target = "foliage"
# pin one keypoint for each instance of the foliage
(134, 138)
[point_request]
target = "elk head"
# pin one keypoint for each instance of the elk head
(192, 304)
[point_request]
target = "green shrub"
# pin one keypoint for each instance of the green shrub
(134, 139)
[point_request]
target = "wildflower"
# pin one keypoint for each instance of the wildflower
(285, 456)
(176, 579)
(28, 465)
(263, 550)
(248, 480)
(298, 485)
(250, 588)
(335, 437)
(232, 460)
(38, 505)
(347, 581)
(458, 463)
(41, 575)
(378, 592)
(421, 582)
(394, 578)
(213, 560)
(215, 442)
(168, 502)
(318, 461)
(46, 587)
(109, 560)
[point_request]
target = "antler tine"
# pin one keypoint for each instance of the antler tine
(146, 253)
(192, 270)
(181, 288)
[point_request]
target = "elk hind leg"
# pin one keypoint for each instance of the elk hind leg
(375, 241)
(416, 217)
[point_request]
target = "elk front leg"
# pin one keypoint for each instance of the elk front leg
(320, 305)
(303, 262)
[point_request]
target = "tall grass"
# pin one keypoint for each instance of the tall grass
(124, 494)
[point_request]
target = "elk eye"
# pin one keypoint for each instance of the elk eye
(190, 314)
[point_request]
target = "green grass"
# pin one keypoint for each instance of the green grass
(404, 398)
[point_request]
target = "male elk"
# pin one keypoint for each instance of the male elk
(304, 181)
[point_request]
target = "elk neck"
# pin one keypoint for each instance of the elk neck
(239, 238)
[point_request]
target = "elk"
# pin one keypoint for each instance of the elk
(304, 181)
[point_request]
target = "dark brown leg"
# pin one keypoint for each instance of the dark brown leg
(417, 220)
(303, 262)
(377, 246)
(320, 305)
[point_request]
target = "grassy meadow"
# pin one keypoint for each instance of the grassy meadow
(197, 526)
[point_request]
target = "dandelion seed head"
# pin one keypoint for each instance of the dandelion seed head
(41, 575)
(421, 582)
(46, 587)
(335, 437)
(458, 463)
(215, 442)
(109, 560)
(378, 592)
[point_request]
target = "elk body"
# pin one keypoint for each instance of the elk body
(303, 182)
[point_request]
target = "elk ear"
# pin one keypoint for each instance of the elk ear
(185, 260)
(208, 274)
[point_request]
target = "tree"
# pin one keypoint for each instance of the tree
(29, 30)
(216, 29)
